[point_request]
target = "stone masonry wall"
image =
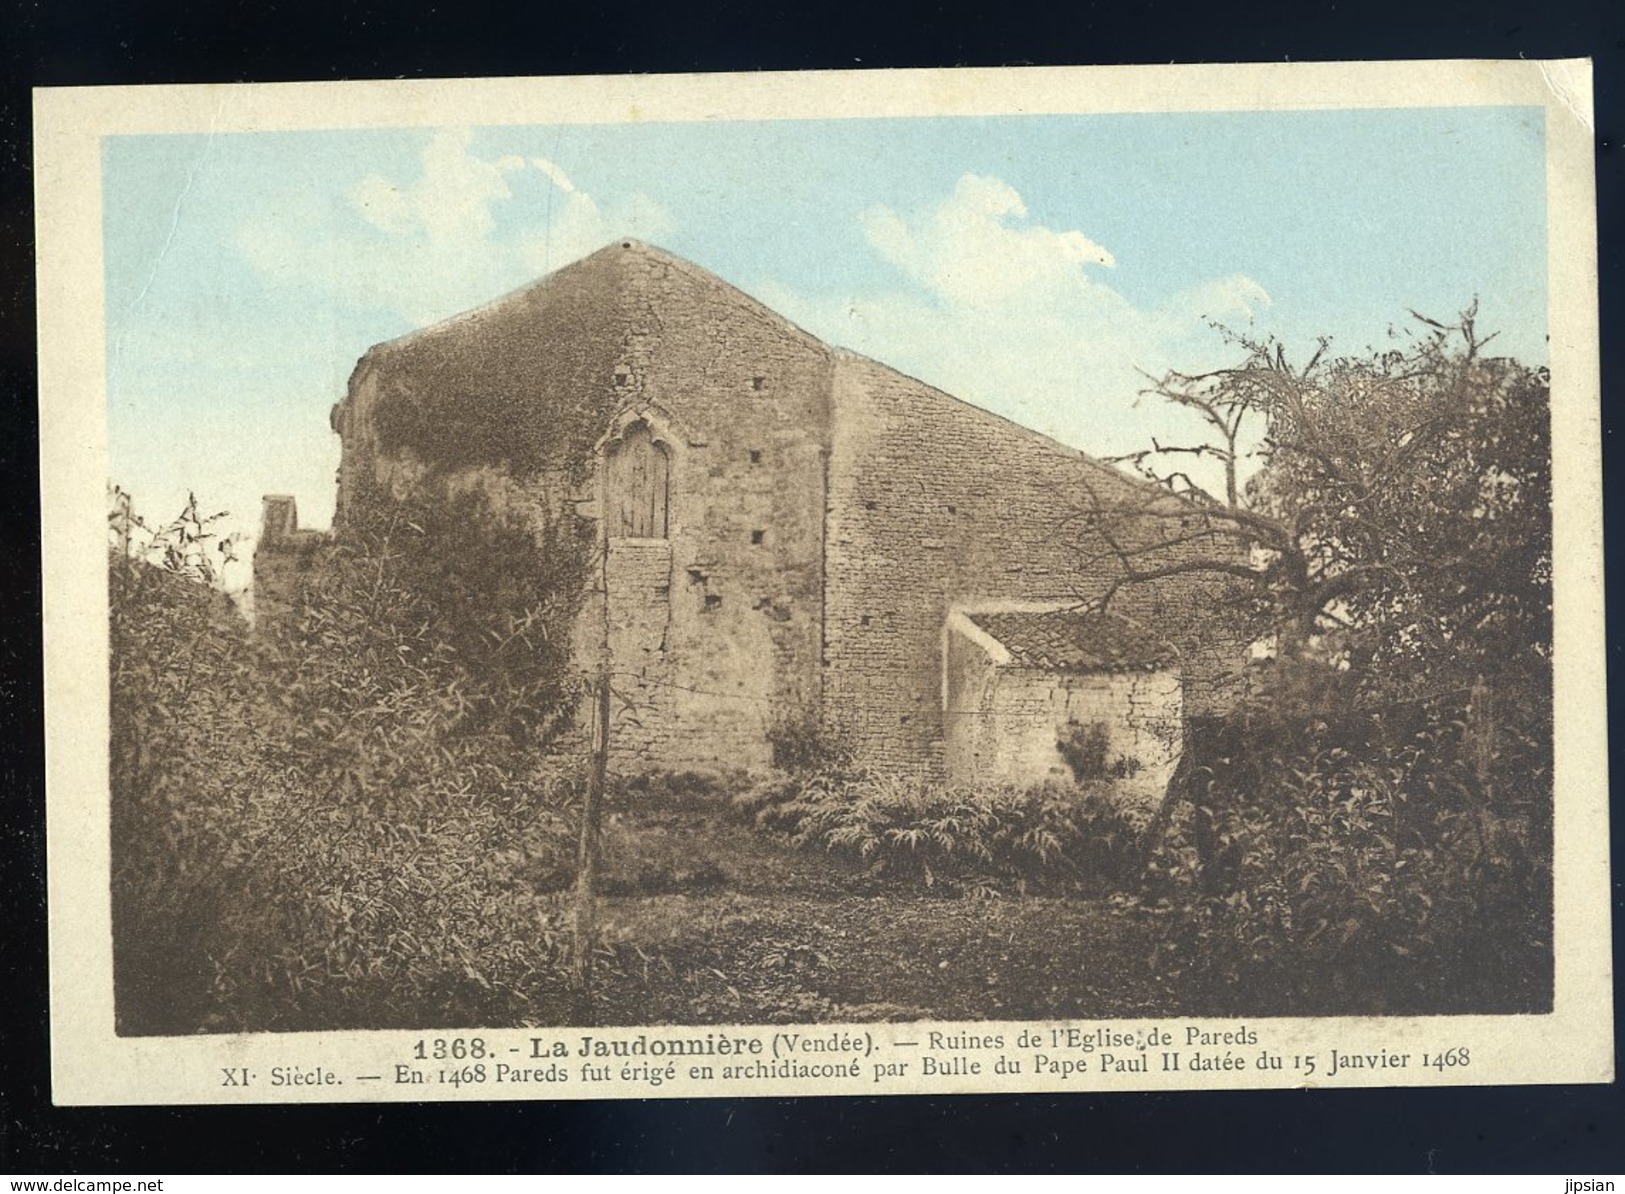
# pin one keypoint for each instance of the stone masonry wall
(714, 632)
(1003, 723)
(932, 503)
(742, 398)
(969, 688)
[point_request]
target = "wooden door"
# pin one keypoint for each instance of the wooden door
(638, 476)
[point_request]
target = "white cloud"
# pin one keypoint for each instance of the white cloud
(1011, 314)
(463, 230)
(1225, 300)
(968, 251)
(555, 175)
(449, 202)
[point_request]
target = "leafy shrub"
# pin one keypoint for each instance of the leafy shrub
(415, 682)
(1085, 747)
(182, 686)
(770, 804)
(1343, 863)
(803, 745)
(471, 598)
(419, 917)
(345, 821)
(971, 839)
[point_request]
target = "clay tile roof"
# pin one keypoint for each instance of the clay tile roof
(1072, 640)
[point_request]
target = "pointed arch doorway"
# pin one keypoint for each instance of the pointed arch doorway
(637, 477)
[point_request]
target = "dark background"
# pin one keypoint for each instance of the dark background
(1563, 1130)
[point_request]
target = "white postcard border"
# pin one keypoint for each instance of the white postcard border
(92, 1065)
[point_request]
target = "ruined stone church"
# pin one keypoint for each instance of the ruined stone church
(790, 533)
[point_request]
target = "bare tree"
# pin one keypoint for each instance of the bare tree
(1335, 495)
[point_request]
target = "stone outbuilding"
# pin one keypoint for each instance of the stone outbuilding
(1041, 692)
(789, 533)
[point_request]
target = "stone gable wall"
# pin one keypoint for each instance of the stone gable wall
(743, 396)
(715, 632)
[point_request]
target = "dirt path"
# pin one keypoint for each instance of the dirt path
(709, 921)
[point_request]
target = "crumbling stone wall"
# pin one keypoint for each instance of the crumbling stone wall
(282, 556)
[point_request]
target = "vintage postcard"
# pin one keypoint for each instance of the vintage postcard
(939, 581)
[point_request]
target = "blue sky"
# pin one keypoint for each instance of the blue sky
(1034, 265)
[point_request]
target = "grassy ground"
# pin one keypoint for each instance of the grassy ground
(706, 920)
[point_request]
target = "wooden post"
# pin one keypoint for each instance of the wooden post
(1481, 742)
(587, 859)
